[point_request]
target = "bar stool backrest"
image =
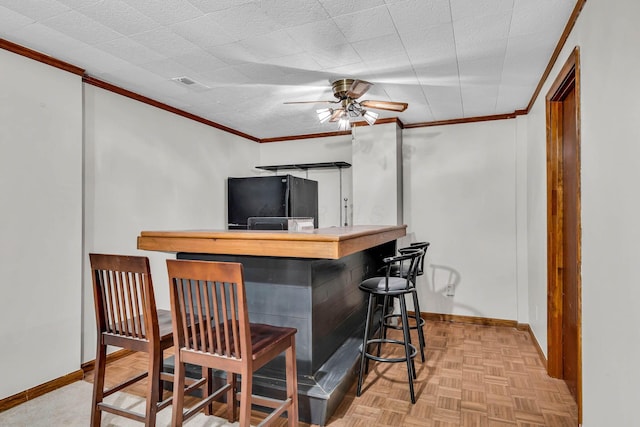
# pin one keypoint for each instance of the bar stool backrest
(404, 265)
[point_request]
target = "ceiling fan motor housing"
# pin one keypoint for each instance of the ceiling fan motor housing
(341, 88)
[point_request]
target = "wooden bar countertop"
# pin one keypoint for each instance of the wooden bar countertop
(327, 243)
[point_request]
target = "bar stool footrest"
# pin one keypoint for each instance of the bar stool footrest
(370, 356)
(399, 327)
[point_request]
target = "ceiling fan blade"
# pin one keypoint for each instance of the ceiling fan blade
(309, 102)
(358, 88)
(337, 114)
(385, 105)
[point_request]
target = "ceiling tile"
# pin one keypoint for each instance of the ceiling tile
(166, 12)
(430, 44)
(77, 4)
(369, 50)
(272, 45)
(366, 24)
(484, 27)
(487, 70)
(96, 60)
(164, 41)
(291, 13)
(119, 16)
(35, 9)
(244, 21)
(213, 6)
(40, 37)
(203, 31)
(478, 100)
(419, 13)
(130, 51)
(479, 48)
(81, 27)
(199, 60)
(461, 9)
(319, 34)
(335, 56)
(534, 17)
(341, 7)
(11, 21)
(167, 68)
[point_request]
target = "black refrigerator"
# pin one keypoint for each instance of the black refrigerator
(270, 196)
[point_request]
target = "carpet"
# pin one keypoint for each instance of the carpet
(70, 406)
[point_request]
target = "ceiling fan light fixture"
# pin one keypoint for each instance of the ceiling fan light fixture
(324, 114)
(370, 117)
(344, 124)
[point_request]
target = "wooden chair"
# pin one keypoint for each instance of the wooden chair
(213, 293)
(126, 317)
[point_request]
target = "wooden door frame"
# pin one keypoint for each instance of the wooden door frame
(568, 77)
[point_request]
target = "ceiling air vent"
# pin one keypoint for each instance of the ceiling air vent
(192, 84)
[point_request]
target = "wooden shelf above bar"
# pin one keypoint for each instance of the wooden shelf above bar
(326, 243)
(305, 166)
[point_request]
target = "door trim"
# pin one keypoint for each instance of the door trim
(569, 76)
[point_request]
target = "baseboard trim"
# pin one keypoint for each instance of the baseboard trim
(37, 391)
(527, 328)
(440, 317)
(454, 318)
(32, 393)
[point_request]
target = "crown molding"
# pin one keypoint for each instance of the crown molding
(40, 57)
(554, 57)
(129, 94)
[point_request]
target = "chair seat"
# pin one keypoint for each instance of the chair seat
(165, 326)
(377, 284)
(263, 336)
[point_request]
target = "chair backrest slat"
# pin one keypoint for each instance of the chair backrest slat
(213, 293)
(123, 295)
(234, 321)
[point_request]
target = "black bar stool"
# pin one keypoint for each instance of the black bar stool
(396, 287)
(391, 320)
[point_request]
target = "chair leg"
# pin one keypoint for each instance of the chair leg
(232, 401)
(407, 349)
(245, 398)
(207, 390)
(153, 384)
(363, 357)
(98, 383)
(383, 322)
(292, 383)
(177, 414)
(416, 307)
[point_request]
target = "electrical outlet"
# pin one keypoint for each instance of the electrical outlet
(449, 290)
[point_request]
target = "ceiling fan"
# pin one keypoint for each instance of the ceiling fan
(347, 92)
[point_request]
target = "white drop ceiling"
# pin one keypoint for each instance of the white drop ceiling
(449, 59)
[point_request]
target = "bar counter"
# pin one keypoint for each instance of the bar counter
(306, 280)
(327, 243)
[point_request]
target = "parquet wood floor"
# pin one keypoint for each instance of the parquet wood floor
(474, 376)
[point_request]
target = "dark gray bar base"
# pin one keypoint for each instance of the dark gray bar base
(321, 299)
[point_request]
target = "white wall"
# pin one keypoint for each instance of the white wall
(377, 175)
(460, 195)
(331, 193)
(607, 33)
(148, 169)
(40, 222)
